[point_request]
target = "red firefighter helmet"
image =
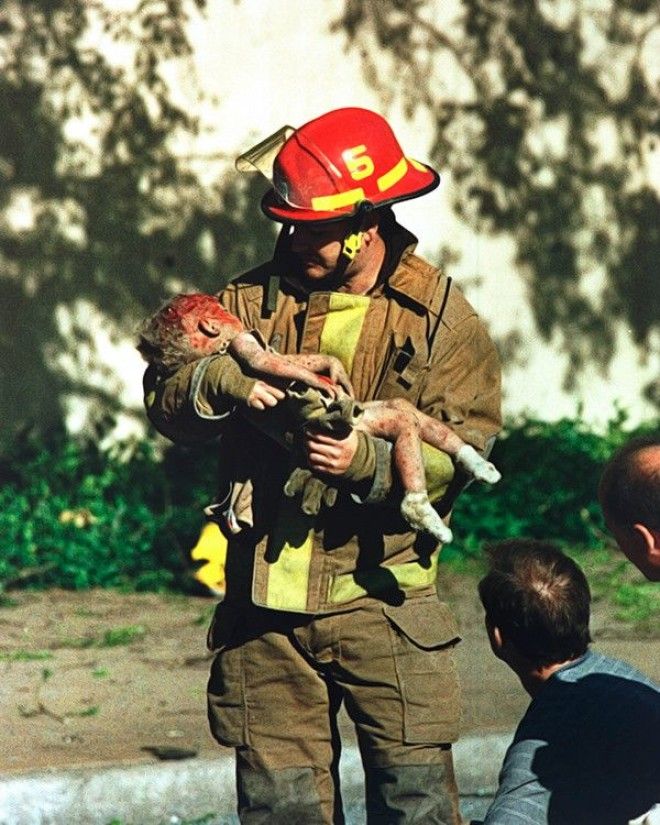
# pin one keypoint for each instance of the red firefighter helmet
(331, 167)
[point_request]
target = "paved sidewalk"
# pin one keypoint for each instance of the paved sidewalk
(171, 792)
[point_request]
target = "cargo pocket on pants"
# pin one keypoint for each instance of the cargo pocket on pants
(424, 634)
(225, 693)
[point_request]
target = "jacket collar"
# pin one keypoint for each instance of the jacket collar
(399, 275)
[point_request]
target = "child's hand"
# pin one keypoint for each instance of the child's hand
(339, 376)
(263, 395)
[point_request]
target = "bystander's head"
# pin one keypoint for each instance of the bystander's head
(629, 493)
(537, 604)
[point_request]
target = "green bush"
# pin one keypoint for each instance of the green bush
(75, 516)
(550, 474)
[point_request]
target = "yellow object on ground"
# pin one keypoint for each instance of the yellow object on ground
(211, 547)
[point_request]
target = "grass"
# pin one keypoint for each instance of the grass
(638, 604)
(205, 615)
(90, 711)
(86, 612)
(113, 637)
(206, 819)
(25, 656)
(122, 635)
(612, 580)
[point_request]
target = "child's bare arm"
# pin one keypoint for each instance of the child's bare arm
(324, 365)
(271, 365)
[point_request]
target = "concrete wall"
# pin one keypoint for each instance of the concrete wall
(264, 63)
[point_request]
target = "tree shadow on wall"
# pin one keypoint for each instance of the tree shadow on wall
(552, 147)
(109, 237)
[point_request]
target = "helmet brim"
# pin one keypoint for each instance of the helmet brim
(417, 182)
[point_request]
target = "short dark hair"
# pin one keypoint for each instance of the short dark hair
(539, 598)
(629, 489)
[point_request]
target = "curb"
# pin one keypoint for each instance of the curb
(173, 792)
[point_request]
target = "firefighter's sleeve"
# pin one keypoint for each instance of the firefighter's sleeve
(194, 403)
(463, 390)
(370, 471)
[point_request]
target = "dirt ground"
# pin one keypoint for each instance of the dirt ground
(99, 678)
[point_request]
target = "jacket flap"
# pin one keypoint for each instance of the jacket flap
(223, 625)
(427, 622)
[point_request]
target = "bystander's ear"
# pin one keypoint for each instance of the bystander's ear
(494, 637)
(650, 539)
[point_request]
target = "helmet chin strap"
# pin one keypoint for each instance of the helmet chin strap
(352, 244)
(353, 240)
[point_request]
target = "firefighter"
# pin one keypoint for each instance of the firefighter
(330, 605)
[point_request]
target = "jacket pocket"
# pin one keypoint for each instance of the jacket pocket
(424, 633)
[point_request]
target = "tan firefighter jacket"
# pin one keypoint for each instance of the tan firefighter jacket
(414, 336)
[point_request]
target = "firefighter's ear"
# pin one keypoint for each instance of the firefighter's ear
(369, 234)
(209, 326)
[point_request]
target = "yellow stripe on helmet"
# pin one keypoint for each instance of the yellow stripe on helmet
(389, 179)
(329, 203)
(417, 165)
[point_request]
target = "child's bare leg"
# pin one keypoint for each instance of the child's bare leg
(443, 438)
(402, 429)
(439, 435)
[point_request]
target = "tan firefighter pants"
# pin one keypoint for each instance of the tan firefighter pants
(278, 680)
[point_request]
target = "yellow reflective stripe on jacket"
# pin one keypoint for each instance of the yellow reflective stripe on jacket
(349, 586)
(343, 326)
(290, 546)
(293, 536)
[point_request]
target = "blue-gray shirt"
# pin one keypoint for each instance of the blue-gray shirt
(587, 750)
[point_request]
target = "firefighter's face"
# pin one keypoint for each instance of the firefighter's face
(317, 247)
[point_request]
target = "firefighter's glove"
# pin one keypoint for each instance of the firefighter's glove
(312, 490)
(341, 415)
(311, 409)
(305, 404)
(370, 471)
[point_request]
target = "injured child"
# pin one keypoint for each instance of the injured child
(194, 326)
